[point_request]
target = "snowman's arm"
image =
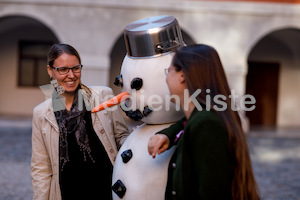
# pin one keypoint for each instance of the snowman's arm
(172, 131)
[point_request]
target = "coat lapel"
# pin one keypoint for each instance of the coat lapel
(50, 117)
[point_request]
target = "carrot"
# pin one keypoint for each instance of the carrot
(111, 102)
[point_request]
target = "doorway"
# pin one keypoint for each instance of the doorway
(262, 83)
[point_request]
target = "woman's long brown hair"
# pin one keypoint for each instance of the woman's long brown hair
(203, 70)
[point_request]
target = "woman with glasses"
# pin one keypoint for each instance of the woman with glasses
(73, 150)
(212, 159)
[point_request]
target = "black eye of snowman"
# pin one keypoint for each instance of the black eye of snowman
(119, 81)
(136, 83)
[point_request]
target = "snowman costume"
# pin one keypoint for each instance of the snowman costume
(150, 43)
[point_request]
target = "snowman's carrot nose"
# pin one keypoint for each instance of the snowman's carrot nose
(111, 102)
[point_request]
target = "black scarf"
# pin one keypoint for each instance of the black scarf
(71, 122)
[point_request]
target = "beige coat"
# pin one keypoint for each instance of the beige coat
(109, 126)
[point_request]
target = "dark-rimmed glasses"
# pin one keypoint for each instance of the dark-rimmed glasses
(65, 70)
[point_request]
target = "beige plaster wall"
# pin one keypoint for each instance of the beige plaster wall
(14, 100)
(93, 26)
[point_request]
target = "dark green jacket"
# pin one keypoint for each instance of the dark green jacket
(201, 167)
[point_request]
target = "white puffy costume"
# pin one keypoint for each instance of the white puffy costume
(150, 43)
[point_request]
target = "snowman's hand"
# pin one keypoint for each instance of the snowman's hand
(158, 143)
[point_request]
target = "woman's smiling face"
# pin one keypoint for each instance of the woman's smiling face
(69, 81)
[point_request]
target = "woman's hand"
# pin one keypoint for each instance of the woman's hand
(158, 144)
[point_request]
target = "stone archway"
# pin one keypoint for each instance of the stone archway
(273, 79)
(17, 32)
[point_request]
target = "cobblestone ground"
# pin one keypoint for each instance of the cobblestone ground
(276, 164)
(15, 155)
(275, 158)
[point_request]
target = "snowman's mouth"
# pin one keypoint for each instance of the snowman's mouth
(137, 115)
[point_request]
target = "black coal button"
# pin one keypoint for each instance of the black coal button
(126, 155)
(119, 188)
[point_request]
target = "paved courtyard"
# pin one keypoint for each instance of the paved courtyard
(275, 156)
(15, 155)
(276, 163)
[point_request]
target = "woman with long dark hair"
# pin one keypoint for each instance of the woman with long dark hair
(73, 150)
(212, 159)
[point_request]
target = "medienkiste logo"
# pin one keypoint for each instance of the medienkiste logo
(137, 100)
